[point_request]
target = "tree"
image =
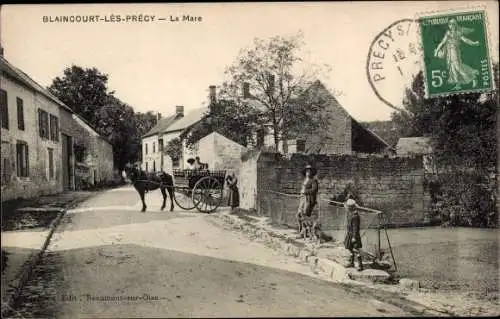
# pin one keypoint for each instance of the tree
(276, 76)
(84, 90)
(227, 118)
(462, 129)
(174, 148)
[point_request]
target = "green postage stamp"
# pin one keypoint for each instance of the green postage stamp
(456, 53)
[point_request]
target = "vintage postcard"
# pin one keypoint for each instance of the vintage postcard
(288, 159)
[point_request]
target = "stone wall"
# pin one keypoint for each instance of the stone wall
(248, 180)
(391, 184)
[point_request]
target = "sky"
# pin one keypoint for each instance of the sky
(156, 65)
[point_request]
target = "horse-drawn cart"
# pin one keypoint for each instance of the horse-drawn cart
(200, 189)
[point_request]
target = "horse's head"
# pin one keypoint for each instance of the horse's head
(132, 172)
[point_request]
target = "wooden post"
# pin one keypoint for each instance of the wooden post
(379, 252)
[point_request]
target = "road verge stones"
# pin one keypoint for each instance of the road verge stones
(333, 264)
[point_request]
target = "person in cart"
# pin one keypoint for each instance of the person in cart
(199, 165)
(191, 164)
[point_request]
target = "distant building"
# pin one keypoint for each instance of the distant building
(167, 129)
(342, 135)
(408, 146)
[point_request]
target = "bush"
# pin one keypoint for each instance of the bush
(468, 199)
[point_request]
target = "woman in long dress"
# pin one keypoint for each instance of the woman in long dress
(234, 194)
(459, 73)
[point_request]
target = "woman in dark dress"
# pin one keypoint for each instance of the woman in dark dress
(234, 195)
(352, 240)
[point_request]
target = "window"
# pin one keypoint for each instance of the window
(154, 147)
(146, 150)
(43, 123)
(154, 165)
(20, 114)
(160, 145)
(54, 128)
(4, 109)
(51, 162)
(146, 165)
(22, 159)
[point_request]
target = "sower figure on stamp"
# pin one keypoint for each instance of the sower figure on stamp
(352, 240)
(308, 195)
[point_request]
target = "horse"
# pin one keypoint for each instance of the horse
(144, 182)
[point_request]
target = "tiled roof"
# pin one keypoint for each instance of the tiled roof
(174, 123)
(187, 120)
(11, 70)
(413, 145)
(161, 126)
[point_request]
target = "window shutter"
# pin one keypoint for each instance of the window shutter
(4, 109)
(20, 114)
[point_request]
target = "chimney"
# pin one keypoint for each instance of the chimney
(246, 90)
(179, 111)
(158, 116)
(1, 50)
(213, 94)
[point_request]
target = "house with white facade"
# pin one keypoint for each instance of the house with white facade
(153, 142)
(32, 148)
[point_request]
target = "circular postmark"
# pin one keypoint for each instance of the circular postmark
(393, 60)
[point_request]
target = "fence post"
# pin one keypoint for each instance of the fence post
(379, 252)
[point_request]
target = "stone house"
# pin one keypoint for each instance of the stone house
(219, 152)
(32, 152)
(342, 134)
(214, 149)
(93, 155)
(37, 137)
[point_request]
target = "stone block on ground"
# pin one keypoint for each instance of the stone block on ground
(409, 284)
(340, 255)
(304, 255)
(326, 266)
(313, 262)
(369, 275)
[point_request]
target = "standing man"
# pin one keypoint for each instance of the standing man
(307, 202)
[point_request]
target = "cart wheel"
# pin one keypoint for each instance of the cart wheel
(182, 197)
(207, 194)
